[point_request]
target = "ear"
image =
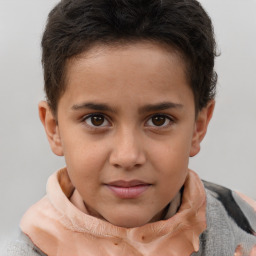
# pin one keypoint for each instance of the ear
(201, 124)
(51, 127)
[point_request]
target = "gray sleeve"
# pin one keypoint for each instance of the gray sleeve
(21, 246)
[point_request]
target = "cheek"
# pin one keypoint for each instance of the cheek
(172, 172)
(85, 159)
(170, 160)
(173, 153)
(84, 166)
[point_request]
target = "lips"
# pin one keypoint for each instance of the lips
(128, 189)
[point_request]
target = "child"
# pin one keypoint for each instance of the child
(130, 89)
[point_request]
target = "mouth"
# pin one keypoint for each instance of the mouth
(128, 189)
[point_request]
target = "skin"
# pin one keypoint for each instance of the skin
(148, 128)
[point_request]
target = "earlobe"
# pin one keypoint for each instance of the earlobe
(51, 127)
(201, 125)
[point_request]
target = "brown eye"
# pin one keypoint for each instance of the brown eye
(96, 120)
(159, 121)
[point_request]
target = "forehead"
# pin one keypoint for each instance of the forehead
(129, 55)
(140, 70)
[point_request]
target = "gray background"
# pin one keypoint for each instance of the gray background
(228, 154)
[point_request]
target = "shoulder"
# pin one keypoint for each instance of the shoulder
(231, 222)
(21, 246)
(240, 209)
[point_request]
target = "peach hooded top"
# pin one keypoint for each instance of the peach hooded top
(60, 226)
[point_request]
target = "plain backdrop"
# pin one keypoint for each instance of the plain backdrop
(228, 154)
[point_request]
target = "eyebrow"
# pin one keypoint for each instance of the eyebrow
(146, 108)
(93, 106)
(160, 106)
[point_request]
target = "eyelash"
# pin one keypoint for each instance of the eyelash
(166, 118)
(89, 117)
(96, 115)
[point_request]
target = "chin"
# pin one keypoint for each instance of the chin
(128, 221)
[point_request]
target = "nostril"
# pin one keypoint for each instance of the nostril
(126, 163)
(127, 154)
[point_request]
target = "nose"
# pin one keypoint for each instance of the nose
(128, 151)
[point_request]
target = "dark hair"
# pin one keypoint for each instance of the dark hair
(76, 25)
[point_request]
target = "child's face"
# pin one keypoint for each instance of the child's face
(126, 126)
